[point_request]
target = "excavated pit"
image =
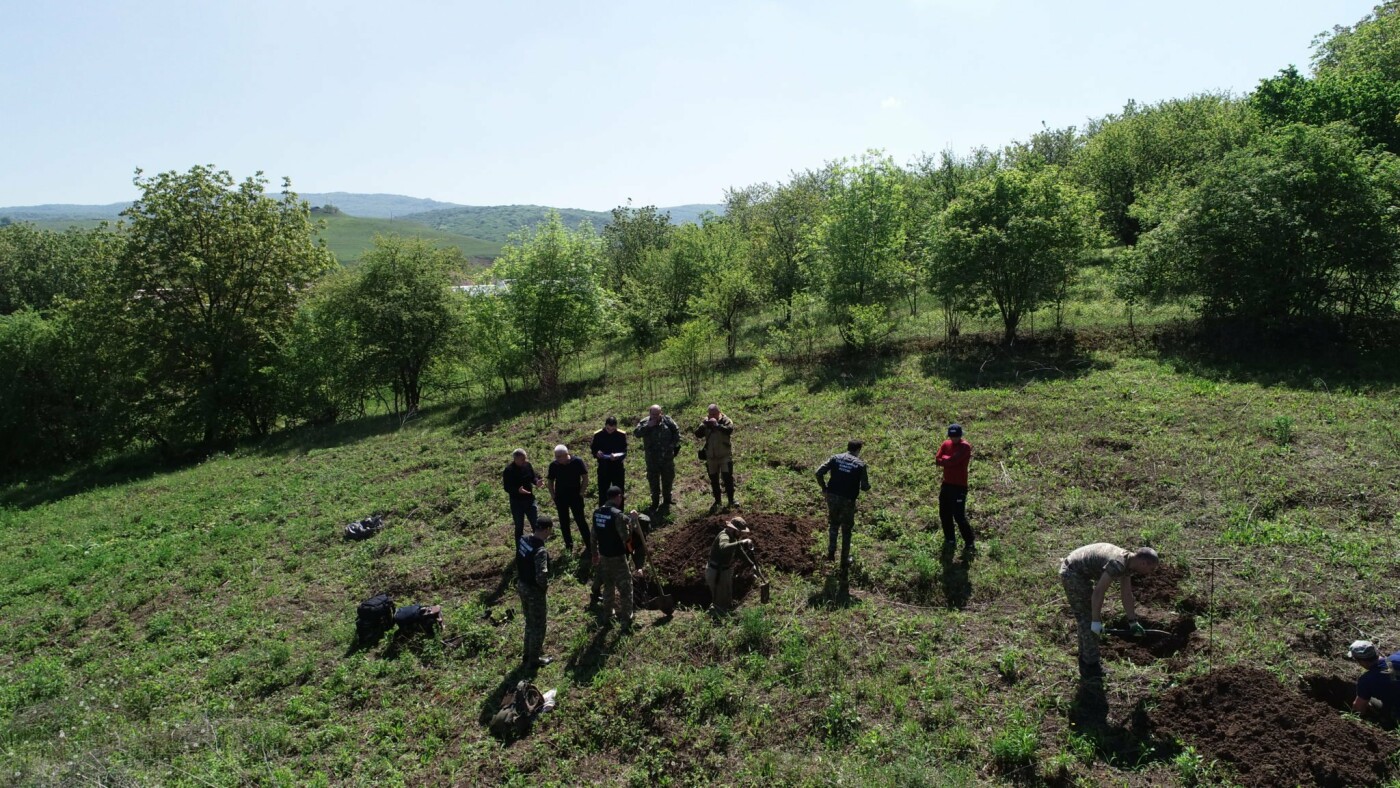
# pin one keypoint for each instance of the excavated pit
(677, 557)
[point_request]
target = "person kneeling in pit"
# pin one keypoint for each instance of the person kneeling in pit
(1378, 689)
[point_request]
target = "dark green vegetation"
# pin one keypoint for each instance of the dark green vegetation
(1176, 327)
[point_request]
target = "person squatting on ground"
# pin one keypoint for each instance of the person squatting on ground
(1378, 689)
(568, 480)
(953, 457)
(609, 549)
(1086, 574)
(520, 480)
(532, 579)
(719, 572)
(661, 442)
(609, 447)
(849, 477)
(715, 431)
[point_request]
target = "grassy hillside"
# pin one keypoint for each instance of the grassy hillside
(194, 626)
(349, 236)
(497, 222)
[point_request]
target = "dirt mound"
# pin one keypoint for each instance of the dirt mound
(1269, 734)
(1180, 639)
(678, 554)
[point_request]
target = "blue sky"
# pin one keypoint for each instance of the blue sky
(586, 104)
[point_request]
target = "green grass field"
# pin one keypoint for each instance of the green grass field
(348, 237)
(194, 626)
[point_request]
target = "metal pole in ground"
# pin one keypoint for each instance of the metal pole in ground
(1210, 610)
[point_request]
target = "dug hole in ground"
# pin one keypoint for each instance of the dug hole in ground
(678, 554)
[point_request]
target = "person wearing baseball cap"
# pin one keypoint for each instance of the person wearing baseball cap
(1378, 689)
(953, 457)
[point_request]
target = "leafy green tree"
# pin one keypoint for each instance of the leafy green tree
(860, 252)
(210, 278)
(688, 354)
(1297, 226)
(322, 367)
(934, 182)
(727, 290)
(39, 267)
(554, 300)
(1128, 155)
(497, 352)
(632, 234)
(1371, 45)
(1010, 240)
(779, 222)
(404, 314)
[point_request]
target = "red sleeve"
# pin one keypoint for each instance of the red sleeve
(943, 453)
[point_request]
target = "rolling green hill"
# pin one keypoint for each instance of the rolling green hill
(349, 236)
(497, 222)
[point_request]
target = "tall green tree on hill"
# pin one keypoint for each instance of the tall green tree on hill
(210, 276)
(859, 260)
(554, 299)
(1010, 241)
(779, 222)
(404, 314)
(1298, 226)
(727, 291)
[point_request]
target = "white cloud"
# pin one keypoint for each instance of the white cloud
(891, 102)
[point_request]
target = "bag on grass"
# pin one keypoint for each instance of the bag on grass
(364, 529)
(419, 619)
(518, 708)
(374, 617)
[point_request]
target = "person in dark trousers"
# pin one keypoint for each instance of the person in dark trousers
(609, 447)
(849, 478)
(611, 529)
(568, 480)
(1378, 689)
(714, 431)
(520, 480)
(953, 457)
(532, 579)
(661, 442)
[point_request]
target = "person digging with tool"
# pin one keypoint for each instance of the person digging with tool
(1378, 689)
(532, 579)
(719, 572)
(1086, 574)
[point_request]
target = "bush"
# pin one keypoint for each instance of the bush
(689, 353)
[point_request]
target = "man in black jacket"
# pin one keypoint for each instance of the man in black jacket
(520, 480)
(849, 477)
(609, 446)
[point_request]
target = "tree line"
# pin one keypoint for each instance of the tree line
(212, 312)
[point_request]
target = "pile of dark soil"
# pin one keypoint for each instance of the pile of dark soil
(1162, 590)
(1270, 735)
(678, 554)
(1181, 638)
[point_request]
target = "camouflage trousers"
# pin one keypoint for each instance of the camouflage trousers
(840, 519)
(1080, 593)
(532, 600)
(721, 583)
(615, 573)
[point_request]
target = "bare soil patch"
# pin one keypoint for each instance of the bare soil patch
(1180, 639)
(782, 543)
(1272, 735)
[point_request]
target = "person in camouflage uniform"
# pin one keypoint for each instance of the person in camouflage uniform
(661, 442)
(715, 431)
(532, 570)
(1086, 575)
(613, 571)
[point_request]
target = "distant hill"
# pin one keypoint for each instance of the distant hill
(349, 236)
(497, 222)
(484, 226)
(374, 206)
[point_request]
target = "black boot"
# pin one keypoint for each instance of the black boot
(1090, 670)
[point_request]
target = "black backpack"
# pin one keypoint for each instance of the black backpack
(373, 618)
(419, 619)
(364, 529)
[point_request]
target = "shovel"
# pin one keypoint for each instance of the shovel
(664, 602)
(758, 575)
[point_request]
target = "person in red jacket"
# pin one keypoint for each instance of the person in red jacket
(953, 457)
